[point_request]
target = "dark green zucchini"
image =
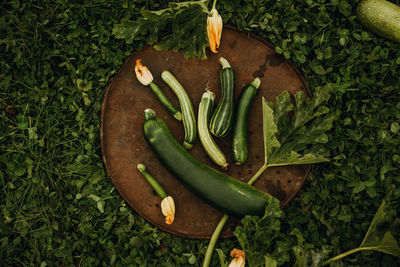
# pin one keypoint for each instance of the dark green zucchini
(221, 120)
(219, 190)
(239, 137)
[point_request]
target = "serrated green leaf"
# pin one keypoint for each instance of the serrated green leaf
(293, 158)
(373, 240)
(269, 129)
(388, 244)
(222, 257)
(309, 257)
(255, 236)
(185, 24)
(297, 139)
(127, 30)
(282, 107)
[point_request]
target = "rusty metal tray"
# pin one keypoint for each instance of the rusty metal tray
(123, 145)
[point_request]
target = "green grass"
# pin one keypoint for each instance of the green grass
(58, 207)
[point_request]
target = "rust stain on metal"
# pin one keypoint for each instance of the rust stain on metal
(123, 145)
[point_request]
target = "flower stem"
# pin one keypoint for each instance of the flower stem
(156, 186)
(222, 222)
(214, 3)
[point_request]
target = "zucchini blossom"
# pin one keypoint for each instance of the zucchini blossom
(142, 73)
(168, 209)
(239, 258)
(214, 29)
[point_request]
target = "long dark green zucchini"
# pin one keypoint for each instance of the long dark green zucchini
(221, 120)
(219, 190)
(239, 133)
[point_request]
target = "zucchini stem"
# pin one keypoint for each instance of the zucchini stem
(149, 114)
(154, 184)
(256, 82)
(225, 64)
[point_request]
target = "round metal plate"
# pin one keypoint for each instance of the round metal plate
(124, 147)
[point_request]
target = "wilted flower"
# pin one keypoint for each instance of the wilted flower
(214, 30)
(239, 258)
(168, 209)
(142, 73)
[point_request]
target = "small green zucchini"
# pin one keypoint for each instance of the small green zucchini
(188, 118)
(209, 145)
(239, 137)
(219, 190)
(381, 17)
(221, 120)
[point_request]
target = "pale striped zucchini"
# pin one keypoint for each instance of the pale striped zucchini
(222, 119)
(188, 118)
(209, 145)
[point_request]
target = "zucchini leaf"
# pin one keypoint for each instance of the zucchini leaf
(222, 257)
(180, 26)
(298, 138)
(375, 238)
(386, 244)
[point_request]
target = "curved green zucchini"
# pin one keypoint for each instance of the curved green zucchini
(209, 145)
(189, 121)
(239, 138)
(221, 120)
(219, 190)
(381, 17)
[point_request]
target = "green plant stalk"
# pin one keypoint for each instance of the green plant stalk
(351, 251)
(214, 239)
(222, 222)
(214, 3)
(154, 184)
(257, 174)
